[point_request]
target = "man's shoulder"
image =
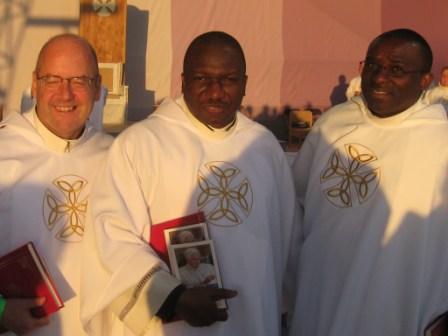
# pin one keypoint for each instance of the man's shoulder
(348, 111)
(101, 138)
(245, 124)
(15, 123)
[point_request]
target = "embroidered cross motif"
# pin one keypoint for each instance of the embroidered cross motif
(225, 195)
(353, 177)
(67, 205)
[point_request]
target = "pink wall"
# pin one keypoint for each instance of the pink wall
(322, 41)
(427, 18)
(298, 50)
(255, 24)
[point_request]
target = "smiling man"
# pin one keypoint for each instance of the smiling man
(48, 160)
(372, 187)
(195, 153)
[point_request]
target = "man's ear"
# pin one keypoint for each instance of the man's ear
(426, 80)
(98, 87)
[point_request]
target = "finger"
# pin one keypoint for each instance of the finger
(40, 322)
(39, 301)
(203, 320)
(32, 303)
(37, 310)
(221, 315)
(222, 293)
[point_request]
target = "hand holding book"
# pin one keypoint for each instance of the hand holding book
(18, 318)
(185, 245)
(23, 275)
(29, 290)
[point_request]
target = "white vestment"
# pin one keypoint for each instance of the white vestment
(437, 94)
(166, 167)
(43, 198)
(354, 88)
(374, 195)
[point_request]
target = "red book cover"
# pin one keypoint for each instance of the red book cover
(24, 275)
(157, 236)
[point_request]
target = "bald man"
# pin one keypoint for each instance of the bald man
(45, 181)
(195, 153)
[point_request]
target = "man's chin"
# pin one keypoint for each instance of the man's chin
(383, 112)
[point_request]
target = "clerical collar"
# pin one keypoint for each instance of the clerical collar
(51, 140)
(392, 120)
(207, 130)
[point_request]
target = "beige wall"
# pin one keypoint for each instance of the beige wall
(30, 23)
(22, 34)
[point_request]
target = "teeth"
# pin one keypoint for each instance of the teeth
(64, 108)
(380, 92)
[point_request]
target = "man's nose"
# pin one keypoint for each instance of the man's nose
(381, 73)
(66, 88)
(215, 88)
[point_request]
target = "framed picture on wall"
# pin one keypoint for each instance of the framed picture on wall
(112, 77)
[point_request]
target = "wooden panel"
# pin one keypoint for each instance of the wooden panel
(103, 24)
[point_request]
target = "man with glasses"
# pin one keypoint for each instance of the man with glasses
(372, 187)
(48, 160)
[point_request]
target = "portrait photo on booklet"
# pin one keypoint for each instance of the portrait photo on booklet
(186, 234)
(195, 265)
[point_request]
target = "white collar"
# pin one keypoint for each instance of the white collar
(206, 130)
(392, 120)
(51, 140)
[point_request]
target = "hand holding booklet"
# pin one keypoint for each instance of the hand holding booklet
(185, 245)
(23, 274)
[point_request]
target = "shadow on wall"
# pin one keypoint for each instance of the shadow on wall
(337, 95)
(141, 101)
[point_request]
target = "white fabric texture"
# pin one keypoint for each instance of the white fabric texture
(374, 196)
(44, 194)
(165, 167)
(438, 94)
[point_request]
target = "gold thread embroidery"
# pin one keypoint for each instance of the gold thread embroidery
(225, 196)
(70, 209)
(137, 291)
(358, 179)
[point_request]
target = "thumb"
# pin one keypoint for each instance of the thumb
(223, 293)
(39, 301)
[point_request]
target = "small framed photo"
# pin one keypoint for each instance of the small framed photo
(186, 234)
(195, 265)
(112, 77)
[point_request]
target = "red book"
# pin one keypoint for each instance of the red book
(157, 239)
(24, 275)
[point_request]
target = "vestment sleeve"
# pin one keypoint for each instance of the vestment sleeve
(122, 276)
(300, 171)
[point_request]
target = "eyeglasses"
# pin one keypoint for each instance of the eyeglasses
(225, 81)
(393, 71)
(80, 83)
